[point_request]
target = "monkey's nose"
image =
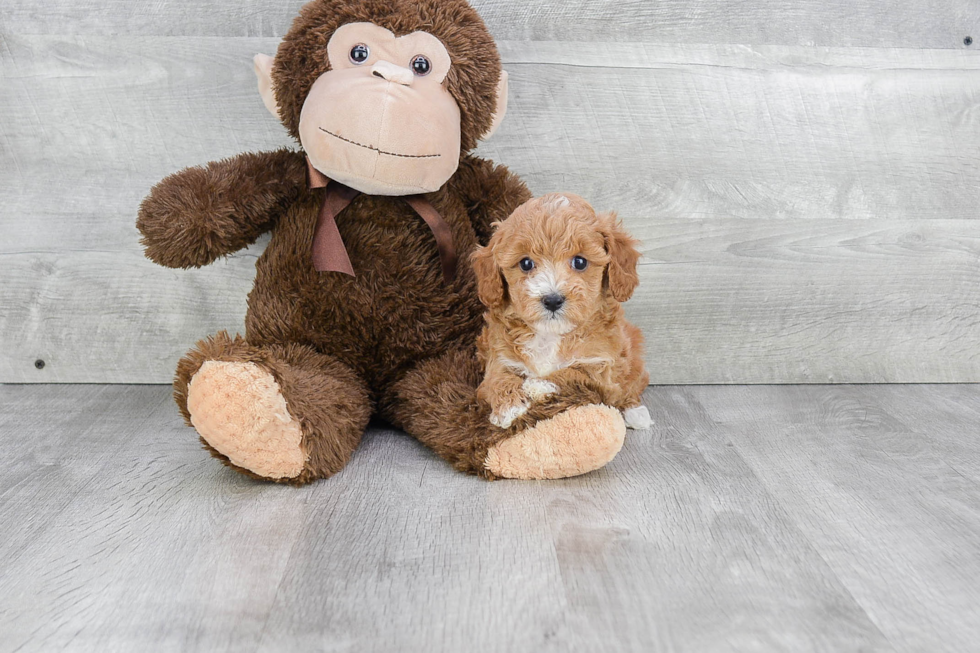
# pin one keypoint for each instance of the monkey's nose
(553, 302)
(392, 73)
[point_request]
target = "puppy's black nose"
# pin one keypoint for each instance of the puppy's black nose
(553, 302)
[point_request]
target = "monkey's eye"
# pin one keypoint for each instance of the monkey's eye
(359, 54)
(421, 66)
(579, 263)
(526, 264)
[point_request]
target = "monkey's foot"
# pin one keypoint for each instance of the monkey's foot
(577, 441)
(239, 410)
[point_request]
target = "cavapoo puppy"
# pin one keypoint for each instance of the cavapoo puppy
(552, 278)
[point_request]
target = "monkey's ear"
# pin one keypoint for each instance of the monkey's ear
(501, 109)
(263, 71)
(489, 278)
(621, 277)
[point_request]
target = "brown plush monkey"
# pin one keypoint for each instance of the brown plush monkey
(364, 301)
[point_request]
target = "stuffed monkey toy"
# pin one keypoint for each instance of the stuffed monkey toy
(364, 300)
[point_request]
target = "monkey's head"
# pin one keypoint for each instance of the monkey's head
(384, 95)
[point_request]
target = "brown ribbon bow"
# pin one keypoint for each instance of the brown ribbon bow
(329, 252)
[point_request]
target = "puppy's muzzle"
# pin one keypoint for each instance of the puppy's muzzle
(553, 302)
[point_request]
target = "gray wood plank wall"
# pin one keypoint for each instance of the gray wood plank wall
(804, 176)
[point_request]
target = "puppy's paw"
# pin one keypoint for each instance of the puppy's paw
(504, 416)
(637, 417)
(538, 389)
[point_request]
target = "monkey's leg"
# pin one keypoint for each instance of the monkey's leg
(568, 435)
(283, 413)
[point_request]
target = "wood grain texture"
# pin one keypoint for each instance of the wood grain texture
(101, 537)
(807, 518)
(732, 131)
(728, 301)
(816, 301)
(885, 486)
(807, 213)
(886, 23)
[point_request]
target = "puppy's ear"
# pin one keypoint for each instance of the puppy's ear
(621, 277)
(489, 277)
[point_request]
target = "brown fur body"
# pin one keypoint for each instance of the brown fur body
(397, 309)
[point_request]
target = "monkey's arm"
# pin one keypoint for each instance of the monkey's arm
(199, 214)
(491, 193)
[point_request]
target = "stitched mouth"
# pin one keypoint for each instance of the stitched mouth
(378, 150)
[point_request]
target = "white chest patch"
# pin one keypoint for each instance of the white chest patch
(542, 353)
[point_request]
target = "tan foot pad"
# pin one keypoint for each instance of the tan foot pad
(574, 442)
(238, 409)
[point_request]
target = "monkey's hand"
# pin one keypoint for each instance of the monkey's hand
(199, 214)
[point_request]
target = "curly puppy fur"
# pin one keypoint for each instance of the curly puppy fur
(553, 277)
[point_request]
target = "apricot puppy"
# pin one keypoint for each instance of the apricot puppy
(553, 277)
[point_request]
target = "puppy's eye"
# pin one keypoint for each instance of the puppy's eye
(359, 53)
(579, 263)
(526, 264)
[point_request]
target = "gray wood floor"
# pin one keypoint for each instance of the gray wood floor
(798, 518)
